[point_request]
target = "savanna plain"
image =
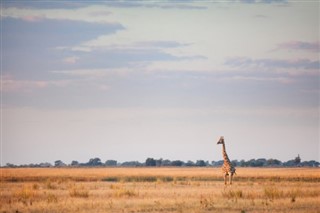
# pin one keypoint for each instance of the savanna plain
(198, 190)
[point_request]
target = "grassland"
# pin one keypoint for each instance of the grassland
(197, 190)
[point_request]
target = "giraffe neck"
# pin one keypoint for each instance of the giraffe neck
(224, 154)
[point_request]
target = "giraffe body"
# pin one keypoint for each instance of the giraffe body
(227, 168)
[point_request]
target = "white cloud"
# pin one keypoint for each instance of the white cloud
(283, 80)
(95, 73)
(294, 67)
(214, 33)
(10, 84)
(79, 14)
(33, 18)
(71, 60)
(300, 45)
(196, 65)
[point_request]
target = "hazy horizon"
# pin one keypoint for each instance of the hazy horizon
(128, 80)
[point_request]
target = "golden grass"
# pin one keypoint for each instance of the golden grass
(158, 190)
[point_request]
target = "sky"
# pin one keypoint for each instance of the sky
(128, 80)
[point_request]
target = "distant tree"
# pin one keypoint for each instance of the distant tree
(150, 162)
(311, 163)
(297, 160)
(10, 165)
(74, 163)
(94, 162)
(159, 162)
(273, 162)
(235, 163)
(177, 163)
(111, 163)
(217, 163)
(242, 163)
(166, 163)
(59, 163)
(45, 165)
(290, 163)
(200, 163)
(252, 163)
(293, 163)
(190, 163)
(261, 162)
(131, 164)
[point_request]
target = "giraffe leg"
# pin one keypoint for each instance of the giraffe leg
(230, 178)
(225, 178)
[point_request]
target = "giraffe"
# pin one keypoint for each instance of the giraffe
(227, 166)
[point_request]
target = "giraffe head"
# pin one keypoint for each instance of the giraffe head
(221, 140)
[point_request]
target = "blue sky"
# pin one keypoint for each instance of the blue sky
(127, 80)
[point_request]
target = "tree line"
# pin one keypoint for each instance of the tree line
(151, 162)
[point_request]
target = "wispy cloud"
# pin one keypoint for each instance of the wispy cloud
(169, 4)
(71, 60)
(166, 4)
(94, 73)
(46, 4)
(10, 84)
(54, 31)
(94, 16)
(102, 13)
(300, 45)
(264, 1)
(272, 63)
(282, 80)
(183, 7)
(161, 5)
(131, 45)
(33, 18)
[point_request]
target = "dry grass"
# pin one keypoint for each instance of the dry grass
(156, 190)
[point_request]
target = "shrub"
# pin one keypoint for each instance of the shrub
(111, 179)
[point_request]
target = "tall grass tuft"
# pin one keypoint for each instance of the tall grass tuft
(207, 202)
(51, 185)
(272, 193)
(80, 192)
(51, 198)
(26, 195)
(122, 192)
(232, 194)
